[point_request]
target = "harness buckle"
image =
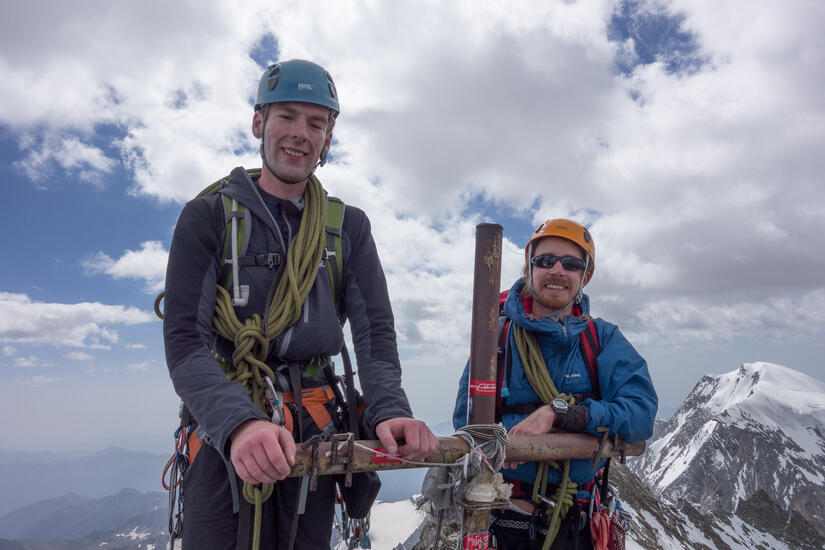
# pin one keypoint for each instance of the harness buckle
(269, 259)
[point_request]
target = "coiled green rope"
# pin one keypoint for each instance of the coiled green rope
(536, 370)
(303, 259)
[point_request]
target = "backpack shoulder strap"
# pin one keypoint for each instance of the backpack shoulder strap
(589, 344)
(334, 223)
(503, 361)
(236, 238)
(503, 356)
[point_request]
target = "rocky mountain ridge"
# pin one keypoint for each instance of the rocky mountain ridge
(759, 430)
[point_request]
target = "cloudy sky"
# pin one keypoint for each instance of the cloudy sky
(683, 133)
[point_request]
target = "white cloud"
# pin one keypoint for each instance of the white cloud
(703, 189)
(8, 351)
(30, 361)
(80, 356)
(139, 74)
(87, 162)
(139, 366)
(82, 325)
(136, 346)
(682, 321)
(147, 264)
(684, 178)
(37, 380)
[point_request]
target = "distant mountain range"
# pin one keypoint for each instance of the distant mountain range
(26, 477)
(126, 520)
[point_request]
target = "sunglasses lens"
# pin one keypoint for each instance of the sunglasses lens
(570, 263)
(545, 261)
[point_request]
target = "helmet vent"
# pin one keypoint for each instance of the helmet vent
(331, 84)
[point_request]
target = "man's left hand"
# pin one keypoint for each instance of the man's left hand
(538, 423)
(419, 441)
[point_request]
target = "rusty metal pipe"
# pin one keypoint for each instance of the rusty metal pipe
(484, 330)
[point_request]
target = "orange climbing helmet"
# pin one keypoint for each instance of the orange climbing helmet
(566, 229)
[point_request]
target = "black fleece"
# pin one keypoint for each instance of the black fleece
(193, 271)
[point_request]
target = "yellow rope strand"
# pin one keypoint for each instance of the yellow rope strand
(536, 370)
(303, 258)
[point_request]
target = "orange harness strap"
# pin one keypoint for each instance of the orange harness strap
(194, 446)
(313, 400)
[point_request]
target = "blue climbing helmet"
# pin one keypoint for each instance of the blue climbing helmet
(297, 80)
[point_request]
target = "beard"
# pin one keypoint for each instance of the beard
(554, 299)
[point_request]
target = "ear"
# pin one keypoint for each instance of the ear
(328, 141)
(258, 123)
(587, 278)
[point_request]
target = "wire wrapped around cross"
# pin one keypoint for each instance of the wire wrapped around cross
(447, 485)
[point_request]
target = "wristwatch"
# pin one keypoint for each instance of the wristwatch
(561, 408)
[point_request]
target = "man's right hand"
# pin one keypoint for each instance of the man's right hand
(261, 452)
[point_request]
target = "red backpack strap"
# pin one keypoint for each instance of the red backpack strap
(502, 365)
(589, 344)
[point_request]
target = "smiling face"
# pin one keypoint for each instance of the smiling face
(554, 288)
(294, 136)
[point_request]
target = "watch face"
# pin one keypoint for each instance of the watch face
(560, 405)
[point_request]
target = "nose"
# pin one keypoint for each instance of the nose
(557, 267)
(300, 128)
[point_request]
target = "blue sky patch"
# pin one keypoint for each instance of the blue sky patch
(657, 36)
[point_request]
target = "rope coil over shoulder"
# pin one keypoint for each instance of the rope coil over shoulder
(541, 382)
(303, 260)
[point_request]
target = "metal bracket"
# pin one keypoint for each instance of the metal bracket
(348, 441)
(618, 446)
(313, 442)
(602, 440)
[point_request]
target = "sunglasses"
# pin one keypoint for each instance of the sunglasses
(569, 263)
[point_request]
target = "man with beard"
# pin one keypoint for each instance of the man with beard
(559, 369)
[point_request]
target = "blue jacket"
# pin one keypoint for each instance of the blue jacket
(628, 405)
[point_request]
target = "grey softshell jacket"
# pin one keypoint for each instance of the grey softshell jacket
(193, 272)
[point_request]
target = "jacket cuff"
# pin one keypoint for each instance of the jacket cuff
(575, 420)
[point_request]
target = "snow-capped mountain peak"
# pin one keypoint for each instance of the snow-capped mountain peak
(758, 428)
(759, 387)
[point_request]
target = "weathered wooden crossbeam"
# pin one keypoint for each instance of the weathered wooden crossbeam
(370, 456)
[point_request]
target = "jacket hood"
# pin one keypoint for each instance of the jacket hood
(514, 308)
